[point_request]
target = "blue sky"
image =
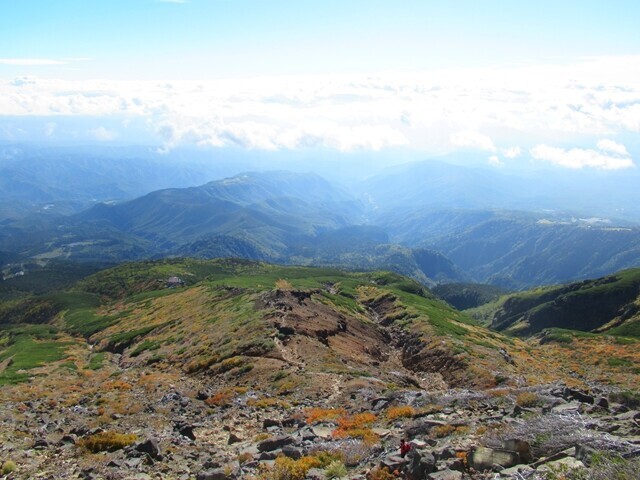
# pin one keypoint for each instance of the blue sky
(198, 39)
(509, 81)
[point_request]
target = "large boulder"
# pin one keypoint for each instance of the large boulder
(483, 458)
(521, 447)
(274, 443)
(420, 464)
(150, 447)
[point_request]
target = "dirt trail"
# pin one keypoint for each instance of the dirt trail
(336, 386)
(289, 355)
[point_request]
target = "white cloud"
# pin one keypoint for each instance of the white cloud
(31, 61)
(102, 134)
(580, 158)
(513, 152)
(495, 161)
(473, 140)
(613, 147)
(488, 110)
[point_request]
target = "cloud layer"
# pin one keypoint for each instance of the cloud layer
(612, 157)
(502, 112)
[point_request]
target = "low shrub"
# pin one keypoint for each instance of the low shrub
(315, 415)
(381, 474)
(357, 426)
(403, 411)
(107, 441)
(442, 431)
(285, 468)
(335, 469)
(263, 403)
(527, 399)
(8, 467)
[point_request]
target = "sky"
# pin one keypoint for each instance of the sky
(556, 82)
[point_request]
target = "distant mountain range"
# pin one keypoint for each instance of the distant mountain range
(435, 222)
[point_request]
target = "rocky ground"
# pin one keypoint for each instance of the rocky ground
(226, 382)
(173, 426)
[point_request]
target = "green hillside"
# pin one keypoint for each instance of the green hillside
(223, 313)
(468, 295)
(609, 304)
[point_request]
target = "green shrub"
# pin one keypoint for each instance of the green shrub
(107, 441)
(335, 469)
(8, 466)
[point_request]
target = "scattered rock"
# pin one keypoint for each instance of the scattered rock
(572, 394)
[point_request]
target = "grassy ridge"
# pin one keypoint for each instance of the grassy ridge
(217, 319)
(609, 304)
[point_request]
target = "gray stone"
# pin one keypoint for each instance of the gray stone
(291, 422)
(569, 463)
(40, 444)
(630, 415)
(445, 475)
(483, 458)
(516, 470)
(571, 407)
(186, 430)
(422, 427)
(67, 440)
(419, 464)
(272, 455)
(394, 462)
(521, 447)
(307, 433)
(292, 452)
(270, 422)
(584, 453)
(447, 451)
(602, 402)
(574, 394)
(215, 474)
(322, 431)
(133, 462)
(271, 444)
(150, 447)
